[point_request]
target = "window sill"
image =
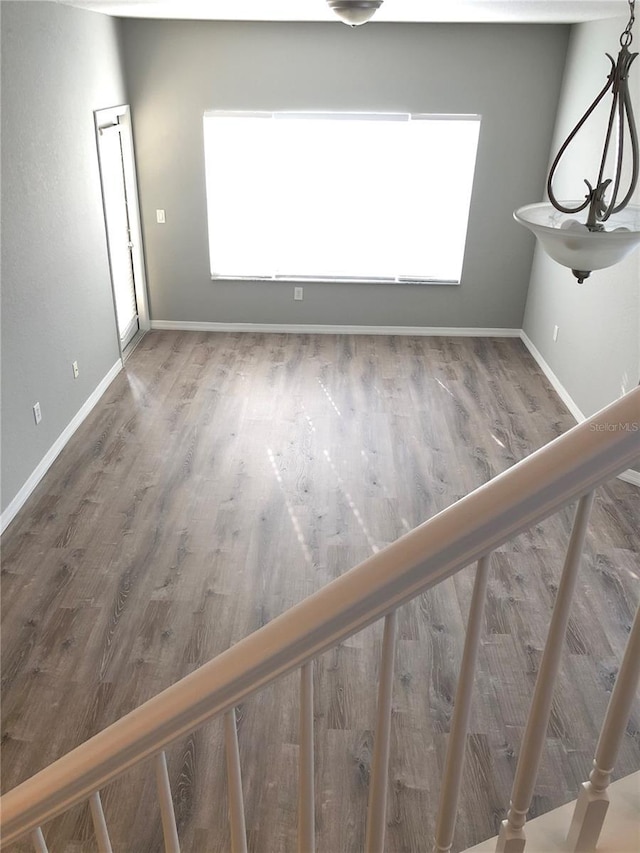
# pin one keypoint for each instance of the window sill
(320, 280)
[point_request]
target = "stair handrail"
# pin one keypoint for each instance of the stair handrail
(557, 474)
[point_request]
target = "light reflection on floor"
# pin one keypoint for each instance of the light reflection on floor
(354, 509)
(294, 518)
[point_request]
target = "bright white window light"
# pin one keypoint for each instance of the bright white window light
(355, 196)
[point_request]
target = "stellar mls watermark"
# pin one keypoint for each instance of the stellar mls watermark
(621, 426)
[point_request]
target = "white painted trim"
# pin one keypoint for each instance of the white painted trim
(132, 345)
(59, 444)
(135, 223)
(629, 476)
(548, 832)
(558, 387)
(121, 116)
(314, 329)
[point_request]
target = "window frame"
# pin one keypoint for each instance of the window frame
(363, 116)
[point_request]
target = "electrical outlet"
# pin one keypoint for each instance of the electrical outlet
(556, 329)
(298, 293)
(75, 369)
(37, 414)
(160, 219)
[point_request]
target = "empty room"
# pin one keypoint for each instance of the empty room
(320, 426)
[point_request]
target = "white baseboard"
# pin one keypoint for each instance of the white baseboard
(629, 476)
(54, 451)
(558, 387)
(314, 329)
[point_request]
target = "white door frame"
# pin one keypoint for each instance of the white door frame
(121, 116)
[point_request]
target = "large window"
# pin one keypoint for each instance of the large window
(355, 196)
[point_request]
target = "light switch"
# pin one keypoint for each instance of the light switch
(160, 217)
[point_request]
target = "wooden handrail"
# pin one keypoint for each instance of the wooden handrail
(557, 474)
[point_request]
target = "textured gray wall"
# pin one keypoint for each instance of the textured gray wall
(177, 70)
(58, 65)
(597, 354)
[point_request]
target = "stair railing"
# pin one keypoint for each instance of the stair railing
(567, 469)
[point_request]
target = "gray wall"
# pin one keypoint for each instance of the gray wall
(58, 65)
(177, 70)
(597, 354)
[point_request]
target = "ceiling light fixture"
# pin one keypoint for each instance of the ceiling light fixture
(612, 227)
(355, 12)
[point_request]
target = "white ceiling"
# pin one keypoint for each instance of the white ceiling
(507, 11)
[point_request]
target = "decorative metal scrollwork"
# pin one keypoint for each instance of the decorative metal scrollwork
(621, 113)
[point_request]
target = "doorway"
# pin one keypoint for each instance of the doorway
(122, 222)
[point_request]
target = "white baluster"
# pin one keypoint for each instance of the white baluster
(167, 813)
(377, 809)
(39, 843)
(234, 781)
(306, 794)
(593, 801)
(99, 824)
(511, 838)
(452, 779)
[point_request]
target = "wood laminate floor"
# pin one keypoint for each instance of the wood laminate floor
(224, 477)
